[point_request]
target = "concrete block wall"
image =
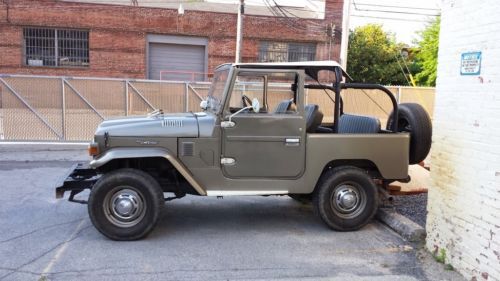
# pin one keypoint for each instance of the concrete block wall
(464, 200)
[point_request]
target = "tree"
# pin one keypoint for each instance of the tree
(428, 54)
(373, 56)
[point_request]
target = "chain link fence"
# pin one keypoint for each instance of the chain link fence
(48, 108)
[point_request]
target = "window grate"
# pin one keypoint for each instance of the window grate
(56, 47)
(283, 51)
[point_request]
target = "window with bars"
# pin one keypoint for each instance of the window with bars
(286, 51)
(56, 47)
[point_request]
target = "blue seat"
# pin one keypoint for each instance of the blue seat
(357, 124)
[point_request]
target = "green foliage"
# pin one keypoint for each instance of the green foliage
(441, 257)
(373, 56)
(427, 56)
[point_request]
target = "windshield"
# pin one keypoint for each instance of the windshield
(216, 92)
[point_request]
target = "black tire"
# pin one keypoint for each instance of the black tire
(302, 198)
(338, 211)
(413, 118)
(125, 204)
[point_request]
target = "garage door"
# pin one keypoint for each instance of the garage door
(176, 62)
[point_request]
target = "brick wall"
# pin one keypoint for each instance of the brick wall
(464, 201)
(118, 32)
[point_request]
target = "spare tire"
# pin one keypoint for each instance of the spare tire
(413, 118)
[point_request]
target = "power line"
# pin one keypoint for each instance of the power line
(291, 22)
(391, 12)
(397, 12)
(388, 18)
(398, 7)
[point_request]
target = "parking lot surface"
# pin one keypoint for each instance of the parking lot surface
(197, 238)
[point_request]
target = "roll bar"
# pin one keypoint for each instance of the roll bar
(339, 104)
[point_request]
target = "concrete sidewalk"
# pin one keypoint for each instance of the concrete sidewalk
(31, 151)
(197, 238)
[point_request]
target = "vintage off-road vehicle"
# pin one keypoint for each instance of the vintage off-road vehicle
(249, 140)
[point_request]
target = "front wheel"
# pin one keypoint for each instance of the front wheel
(125, 204)
(346, 198)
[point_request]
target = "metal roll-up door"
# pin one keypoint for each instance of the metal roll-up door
(176, 62)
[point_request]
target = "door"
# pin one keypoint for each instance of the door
(178, 62)
(270, 143)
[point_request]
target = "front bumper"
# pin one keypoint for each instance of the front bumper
(78, 178)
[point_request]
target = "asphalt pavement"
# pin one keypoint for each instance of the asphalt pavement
(197, 238)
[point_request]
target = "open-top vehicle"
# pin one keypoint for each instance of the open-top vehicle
(250, 140)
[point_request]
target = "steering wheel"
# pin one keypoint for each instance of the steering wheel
(246, 100)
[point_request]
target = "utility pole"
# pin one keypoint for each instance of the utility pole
(239, 31)
(345, 33)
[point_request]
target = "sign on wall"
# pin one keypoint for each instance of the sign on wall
(470, 63)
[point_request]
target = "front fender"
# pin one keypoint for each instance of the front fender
(147, 152)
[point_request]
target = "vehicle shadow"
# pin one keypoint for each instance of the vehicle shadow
(251, 214)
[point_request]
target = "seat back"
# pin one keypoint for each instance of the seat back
(283, 106)
(357, 124)
(314, 117)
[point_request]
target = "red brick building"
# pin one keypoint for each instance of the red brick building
(81, 38)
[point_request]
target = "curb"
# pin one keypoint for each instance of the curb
(402, 225)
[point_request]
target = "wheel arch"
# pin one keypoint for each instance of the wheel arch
(121, 154)
(364, 164)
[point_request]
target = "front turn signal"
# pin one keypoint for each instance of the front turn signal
(93, 149)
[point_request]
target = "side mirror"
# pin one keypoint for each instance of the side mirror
(255, 107)
(204, 104)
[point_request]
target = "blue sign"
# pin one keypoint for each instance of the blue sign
(470, 63)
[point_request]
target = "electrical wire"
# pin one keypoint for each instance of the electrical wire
(402, 70)
(404, 62)
(389, 18)
(392, 12)
(374, 101)
(287, 19)
(398, 7)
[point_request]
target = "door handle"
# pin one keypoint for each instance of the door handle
(292, 141)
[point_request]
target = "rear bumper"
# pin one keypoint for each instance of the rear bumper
(78, 178)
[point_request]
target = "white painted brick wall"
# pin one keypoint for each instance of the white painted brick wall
(464, 200)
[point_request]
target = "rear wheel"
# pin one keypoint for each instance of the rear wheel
(125, 204)
(345, 198)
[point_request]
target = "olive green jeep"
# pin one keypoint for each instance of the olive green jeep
(251, 139)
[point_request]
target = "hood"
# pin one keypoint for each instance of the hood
(161, 125)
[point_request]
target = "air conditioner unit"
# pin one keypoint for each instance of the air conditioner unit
(35, 62)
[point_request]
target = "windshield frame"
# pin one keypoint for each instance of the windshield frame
(221, 96)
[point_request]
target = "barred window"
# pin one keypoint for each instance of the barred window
(56, 47)
(286, 51)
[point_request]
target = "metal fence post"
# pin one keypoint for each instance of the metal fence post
(398, 94)
(126, 98)
(186, 97)
(63, 97)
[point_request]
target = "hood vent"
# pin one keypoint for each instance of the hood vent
(187, 149)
